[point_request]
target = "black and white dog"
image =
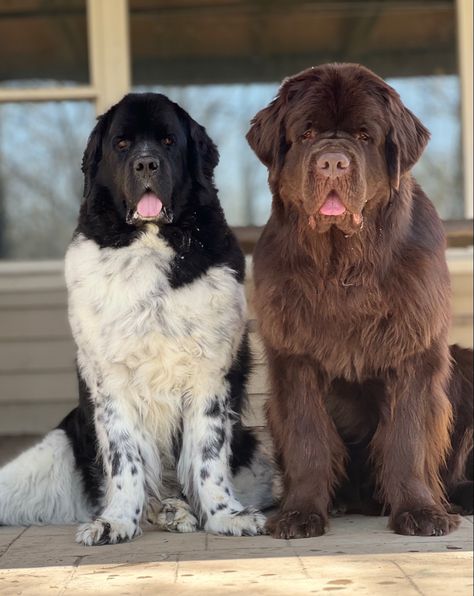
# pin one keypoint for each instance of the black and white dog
(157, 309)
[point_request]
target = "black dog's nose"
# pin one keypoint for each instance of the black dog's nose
(333, 164)
(146, 164)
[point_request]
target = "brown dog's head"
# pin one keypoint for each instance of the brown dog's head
(336, 140)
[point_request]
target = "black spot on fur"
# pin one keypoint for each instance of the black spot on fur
(105, 537)
(134, 470)
(119, 486)
(221, 506)
(214, 409)
(204, 474)
(116, 460)
(212, 512)
(212, 448)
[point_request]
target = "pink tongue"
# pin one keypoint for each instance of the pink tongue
(332, 206)
(149, 205)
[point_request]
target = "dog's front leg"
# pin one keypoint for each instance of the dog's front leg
(124, 477)
(204, 468)
(308, 447)
(409, 447)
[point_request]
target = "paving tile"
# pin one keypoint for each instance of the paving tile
(36, 581)
(131, 577)
(11, 530)
(59, 541)
(359, 555)
(231, 543)
(369, 574)
(437, 573)
(367, 535)
(243, 570)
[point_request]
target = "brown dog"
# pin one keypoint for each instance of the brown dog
(353, 301)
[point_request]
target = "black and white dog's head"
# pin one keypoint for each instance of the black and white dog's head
(148, 162)
(148, 159)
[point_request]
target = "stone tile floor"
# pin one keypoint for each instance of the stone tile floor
(358, 555)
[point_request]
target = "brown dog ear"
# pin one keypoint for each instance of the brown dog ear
(405, 141)
(267, 133)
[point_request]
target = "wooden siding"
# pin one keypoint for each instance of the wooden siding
(37, 377)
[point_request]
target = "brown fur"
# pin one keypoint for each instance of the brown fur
(354, 310)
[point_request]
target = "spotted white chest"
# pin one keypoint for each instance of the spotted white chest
(142, 341)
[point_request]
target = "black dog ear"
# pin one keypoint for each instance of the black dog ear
(203, 156)
(93, 152)
(406, 138)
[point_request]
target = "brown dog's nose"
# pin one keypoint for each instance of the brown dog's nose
(333, 165)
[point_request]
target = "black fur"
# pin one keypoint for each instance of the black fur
(80, 429)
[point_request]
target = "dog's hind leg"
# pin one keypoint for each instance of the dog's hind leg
(172, 514)
(43, 486)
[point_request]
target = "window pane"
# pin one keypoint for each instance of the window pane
(41, 146)
(223, 61)
(43, 43)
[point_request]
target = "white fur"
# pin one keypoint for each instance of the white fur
(43, 486)
(154, 356)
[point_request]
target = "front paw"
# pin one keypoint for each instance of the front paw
(236, 523)
(427, 521)
(103, 531)
(296, 524)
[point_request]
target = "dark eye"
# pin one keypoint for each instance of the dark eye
(362, 135)
(308, 134)
(168, 140)
(123, 144)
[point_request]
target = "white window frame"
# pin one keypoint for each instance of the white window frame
(109, 61)
(464, 10)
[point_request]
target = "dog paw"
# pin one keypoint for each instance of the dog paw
(173, 515)
(295, 524)
(236, 523)
(428, 521)
(103, 531)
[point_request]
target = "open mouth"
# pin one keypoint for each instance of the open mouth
(149, 208)
(333, 205)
